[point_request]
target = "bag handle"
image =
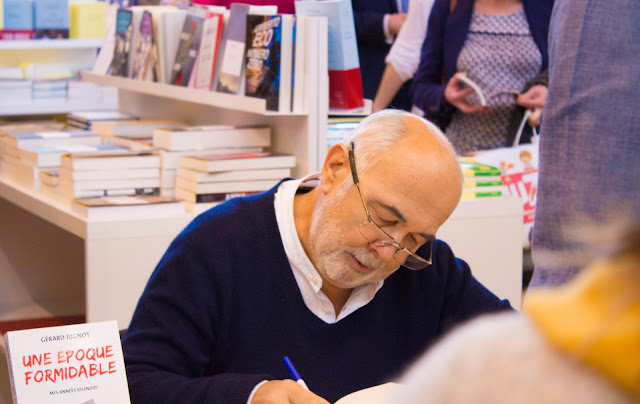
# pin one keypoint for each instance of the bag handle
(534, 136)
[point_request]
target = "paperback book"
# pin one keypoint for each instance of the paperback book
(188, 47)
(123, 207)
(263, 61)
(212, 136)
(145, 52)
(237, 161)
(80, 363)
(124, 30)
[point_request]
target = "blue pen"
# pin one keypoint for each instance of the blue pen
(294, 373)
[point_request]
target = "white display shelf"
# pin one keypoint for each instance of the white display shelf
(178, 93)
(51, 44)
(54, 107)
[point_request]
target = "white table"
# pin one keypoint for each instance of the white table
(53, 262)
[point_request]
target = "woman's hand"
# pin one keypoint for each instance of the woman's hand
(535, 97)
(456, 95)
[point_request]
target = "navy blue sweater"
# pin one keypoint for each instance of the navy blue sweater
(222, 308)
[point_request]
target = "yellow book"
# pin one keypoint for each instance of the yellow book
(88, 20)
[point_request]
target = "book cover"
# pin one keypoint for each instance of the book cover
(208, 52)
(208, 137)
(263, 60)
(91, 116)
(169, 159)
(88, 20)
(124, 28)
(192, 197)
(144, 51)
(187, 52)
(475, 169)
(167, 22)
(237, 161)
(18, 15)
(77, 363)
(345, 83)
(112, 174)
(51, 19)
(232, 57)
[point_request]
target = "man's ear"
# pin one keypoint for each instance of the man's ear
(335, 167)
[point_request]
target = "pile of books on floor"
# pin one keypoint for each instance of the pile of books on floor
(480, 180)
(205, 181)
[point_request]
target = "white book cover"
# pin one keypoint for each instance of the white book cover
(110, 161)
(286, 63)
(237, 161)
(227, 187)
(207, 137)
(300, 65)
(208, 52)
(169, 159)
(78, 363)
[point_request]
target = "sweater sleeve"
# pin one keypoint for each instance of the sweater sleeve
(170, 343)
(369, 28)
(464, 296)
(427, 89)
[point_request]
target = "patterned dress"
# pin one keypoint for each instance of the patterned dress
(499, 54)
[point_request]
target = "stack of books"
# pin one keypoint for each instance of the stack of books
(115, 172)
(480, 180)
(9, 128)
(29, 153)
(49, 90)
(205, 181)
(202, 141)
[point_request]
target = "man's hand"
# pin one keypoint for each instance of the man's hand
(285, 392)
(457, 96)
(395, 23)
(535, 97)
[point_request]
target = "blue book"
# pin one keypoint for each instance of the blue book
(18, 14)
(51, 19)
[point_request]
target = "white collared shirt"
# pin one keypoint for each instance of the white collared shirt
(307, 277)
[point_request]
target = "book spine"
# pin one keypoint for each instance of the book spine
(10, 366)
(474, 195)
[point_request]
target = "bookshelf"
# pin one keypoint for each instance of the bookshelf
(76, 51)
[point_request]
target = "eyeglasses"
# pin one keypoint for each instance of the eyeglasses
(380, 238)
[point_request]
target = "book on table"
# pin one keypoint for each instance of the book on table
(121, 207)
(47, 156)
(169, 159)
(51, 138)
(225, 187)
(209, 137)
(192, 176)
(237, 161)
(110, 174)
(136, 144)
(79, 363)
(132, 129)
(109, 161)
(192, 197)
(86, 118)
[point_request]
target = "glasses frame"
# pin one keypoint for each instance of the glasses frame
(391, 241)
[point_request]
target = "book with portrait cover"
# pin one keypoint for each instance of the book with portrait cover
(124, 30)
(77, 363)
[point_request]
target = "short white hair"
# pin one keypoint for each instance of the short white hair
(378, 132)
